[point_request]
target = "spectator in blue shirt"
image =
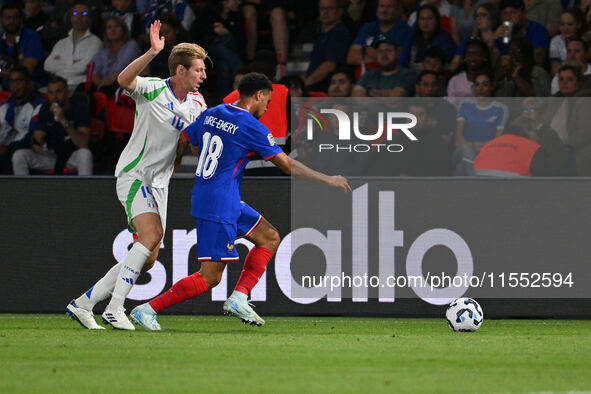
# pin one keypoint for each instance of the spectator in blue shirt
(426, 33)
(479, 121)
(19, 46)
(514, 11)
(388, 23)
(330, 46)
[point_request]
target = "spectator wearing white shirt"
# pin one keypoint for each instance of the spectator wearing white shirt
(70, 56)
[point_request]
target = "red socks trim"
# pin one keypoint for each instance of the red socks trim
(186, 288)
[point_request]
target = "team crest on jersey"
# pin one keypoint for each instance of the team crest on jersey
(271, 139)
(230, 247)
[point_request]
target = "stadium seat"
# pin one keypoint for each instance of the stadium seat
(4, 95)
(368, 66)
(99, 103)
(89, 73)
(120, 113)
(317, 94)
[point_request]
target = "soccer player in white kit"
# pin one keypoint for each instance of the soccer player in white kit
(163, 109)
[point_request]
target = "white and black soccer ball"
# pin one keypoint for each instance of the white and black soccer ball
(464, 315)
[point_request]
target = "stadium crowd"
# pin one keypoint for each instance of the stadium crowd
(63, 112)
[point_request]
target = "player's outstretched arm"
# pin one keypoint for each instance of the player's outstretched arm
(127, 77)
(300, 170)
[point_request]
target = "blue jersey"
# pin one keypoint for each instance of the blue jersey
(227, 137)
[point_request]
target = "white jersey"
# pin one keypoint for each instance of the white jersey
(159, 120)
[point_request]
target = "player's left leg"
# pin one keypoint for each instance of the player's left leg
(215, 247)
(189, 287)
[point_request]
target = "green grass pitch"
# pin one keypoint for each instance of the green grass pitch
(209, 354)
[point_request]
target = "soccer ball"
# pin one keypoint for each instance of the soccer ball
(464, 315)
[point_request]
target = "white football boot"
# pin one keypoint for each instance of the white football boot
(145, 317)
(117, 319)
(82, 316)
(237, 304)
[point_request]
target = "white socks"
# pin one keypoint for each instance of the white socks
(101, 290)
(127, 275)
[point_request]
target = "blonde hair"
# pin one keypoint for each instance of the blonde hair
(183, 54)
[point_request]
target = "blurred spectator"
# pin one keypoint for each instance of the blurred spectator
(572, 25)
(574, 114)
(19, 46)
(408, 7)
(516, 153)
(476, 57)
(238, 74)
(125, 9)
(535, 109)
(173, 33)
(295, 84)
(389, 80)
(119, 51)
(220, 30)
(486, 22)
(34, 17)
(71, 55)
(277, 10)
(546, 13)
(519, 76)
(430, 156)
(444, 8)
(427, 84)
(156, 9)
(61, 137)
(479, 121)
(443, 114)
(59, 22)
(434, 60)
(388, 23)
(358, 13)
(570, 81)
(330, 46)
(425, 34)
(577, 50)
(461, 19)
(514, 11)
(585, 6)
(18, 116)
(341, 82)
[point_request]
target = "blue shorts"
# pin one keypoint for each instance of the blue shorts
(215, 240)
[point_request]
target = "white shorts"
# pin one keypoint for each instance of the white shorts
(137, 198)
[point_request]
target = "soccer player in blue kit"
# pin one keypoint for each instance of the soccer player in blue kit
(227, 136)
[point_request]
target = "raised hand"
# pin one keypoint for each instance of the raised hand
(156, 42)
